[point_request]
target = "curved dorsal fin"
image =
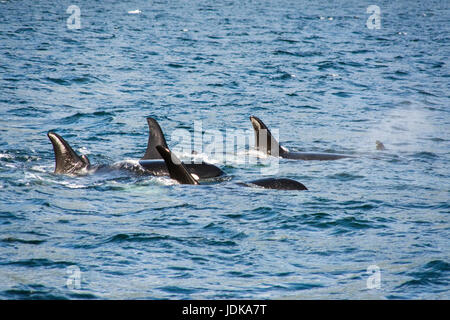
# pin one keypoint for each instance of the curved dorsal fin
(66, 160)
(264, 141)
(155, 138)
(176, 168)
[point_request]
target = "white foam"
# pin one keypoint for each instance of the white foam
(166, 181)
(137, 11)
(6, 156)
(128, 164)
(258, 154)
(83, 150)
(74, 186)
(41, 168)
(29, 175)
(132, 162)
(240, 157)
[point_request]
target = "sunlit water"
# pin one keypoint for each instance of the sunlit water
(312, 70)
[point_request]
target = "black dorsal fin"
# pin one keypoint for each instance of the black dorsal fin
(176, 168)
(264, 141)
(155, 138)
(66, 160)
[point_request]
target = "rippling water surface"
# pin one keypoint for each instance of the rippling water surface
(313, 70)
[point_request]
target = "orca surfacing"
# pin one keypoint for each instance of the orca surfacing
(265, 142)
(67, 161)
(179, 172)
(154, 163)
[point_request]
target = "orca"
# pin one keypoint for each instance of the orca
(153, 162)
(179, 172)
(276, 183)
(265, 142)
(67, 161)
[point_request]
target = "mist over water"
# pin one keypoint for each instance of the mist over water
(375, 226)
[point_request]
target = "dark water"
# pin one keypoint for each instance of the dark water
(313, 70)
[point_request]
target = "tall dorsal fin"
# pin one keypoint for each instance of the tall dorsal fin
(264, 141)
(176, 168)
(155, 138)
(66, 160)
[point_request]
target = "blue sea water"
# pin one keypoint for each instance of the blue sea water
(311, 69)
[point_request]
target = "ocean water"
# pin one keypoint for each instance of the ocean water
(372, 227)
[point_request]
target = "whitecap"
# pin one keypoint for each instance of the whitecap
(132, 162)
(128, 163)
(74, 185)
(32, 176)
(83, 150)
(137, 11)
(166, 181)
(6, 156)
(41, 168)
(258, 153)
